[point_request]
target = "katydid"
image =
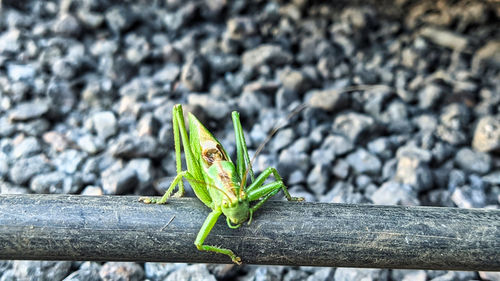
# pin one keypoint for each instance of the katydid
(216, 180)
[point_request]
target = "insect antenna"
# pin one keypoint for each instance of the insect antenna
(275, 129)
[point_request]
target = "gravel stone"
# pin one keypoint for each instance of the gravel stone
(26, 148)
(24, 169)
(445, 38)
(119, 182)
(348, 274)
(144, 170)
(41, 270)
(69, 161)
(282, 139)
(105, 124)
(266, 54)
(90, 144)
(191, 272)
(341, 169)
(394, 193)
(29, 110)
(48, 183)
(121, 271)
(364, 162)
(128, 146)
(67, 25)
(91, 190)
(119, 18)
(414, 172)
(21, 72)
(159, 271)
(469, 197)
(473, 161)
(353, 125)
(214, 108)
(290, 161)
(429, 96)
(88, 271)
(487, 134)
(318, 179)
(330, 100)
(194, 74)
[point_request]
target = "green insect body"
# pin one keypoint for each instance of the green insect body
(216, 180)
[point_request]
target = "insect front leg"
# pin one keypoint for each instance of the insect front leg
(205, 230)
(258, 190)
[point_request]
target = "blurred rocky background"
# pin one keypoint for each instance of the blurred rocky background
(403, 107)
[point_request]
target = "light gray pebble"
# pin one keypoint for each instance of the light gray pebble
(412, 151)
(429, 95)
(90, 144)
(191, 272)
(170, 72)
(7, 127)
(284, 97)
(214, 108)
(222, 63)
(468, 196)
(91, 190)
(67, 25)
(318, 179)
(121, 271)
(26, 148)
(159, 271)
(29, 110)
(412, 171)
(492, 178)
(119, 18)
(290, 161)
(41, 270)
(119, 182)
(105, 124)
(341, 169)
(88, 271)
(341, 192)
(364, 162)
(144, 170)
(128, 146)
(282, 139)
(69, 161)
(487, 134)
(353, 125)
(18, 72)
(357, 274)
(322, 274)
(408, 275)
(266, 55)
(382, 147)
(329, 100)
(24, 169)
(395, 193)
(473, 161)
(456, 178)
(48, 183)
(10, 41)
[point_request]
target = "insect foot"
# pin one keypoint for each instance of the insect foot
(149, 200)
(236, 260)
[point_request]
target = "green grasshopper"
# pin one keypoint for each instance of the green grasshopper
(216, 180)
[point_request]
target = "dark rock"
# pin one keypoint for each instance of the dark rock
(473, 161)
(128, 146)
(121, 271)
(194, 74)
(266, 55)
(487, 134)
(24, 169)
(353, 125)
(295, 81)
(251, 103)
(285, 97)
(143, 168)
(239, 28)
(290, 161)
(29, 110)
(222, 63)
(364, 162)
(392, 193)
(329, 100)
(175, 21)
(119, 182)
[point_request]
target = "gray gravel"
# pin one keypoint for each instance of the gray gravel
(401, 110)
